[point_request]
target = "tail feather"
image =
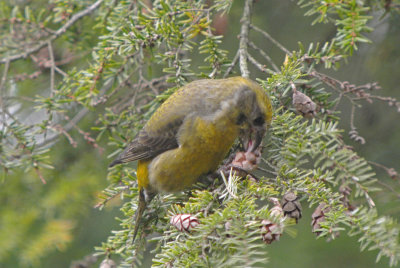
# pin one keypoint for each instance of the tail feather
(139, 213)
(144, 198)
(115, 162)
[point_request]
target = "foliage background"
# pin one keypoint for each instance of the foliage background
(53, 224)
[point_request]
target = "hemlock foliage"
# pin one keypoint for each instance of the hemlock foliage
(90, 73)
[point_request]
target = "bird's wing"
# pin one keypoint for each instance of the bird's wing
(160, 132)
(148, 144)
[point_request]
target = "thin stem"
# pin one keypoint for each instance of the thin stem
(265, 55)
(270, 38)
(56, 34)
(232, 65)
(259, 65)
(244, 37)
(60, 71)
(2, 86)
(390, 188)
(66, 128)
(52, 68)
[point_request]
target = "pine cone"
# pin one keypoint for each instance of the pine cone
(318, 216)
(270, 231)
(108, 263)
(291, 206)
(276, 210)
(346, 191)
(304, 104)
(184, 222)
(245, 161)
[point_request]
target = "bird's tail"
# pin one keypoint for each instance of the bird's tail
(144, 198)
(139, 212)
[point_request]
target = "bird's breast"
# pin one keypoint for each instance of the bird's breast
(203, 145)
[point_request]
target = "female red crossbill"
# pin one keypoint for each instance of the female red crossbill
(192, 131)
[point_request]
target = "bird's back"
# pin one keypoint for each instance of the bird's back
(202, 97)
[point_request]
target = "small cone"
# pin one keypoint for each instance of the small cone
(245, 162)
(276, 210)
(184, 222)
(318, 216)
(270, 231)
(291, 206)
(108, 263)
(303, 104)
(346, 191)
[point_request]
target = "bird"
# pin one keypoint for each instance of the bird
(191, 133)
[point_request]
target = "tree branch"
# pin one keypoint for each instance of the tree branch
(66, 128)
(52, 68)
(244, 37)
(56, 34)
(2, 86)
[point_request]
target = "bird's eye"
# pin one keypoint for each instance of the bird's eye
(258, 121)
(240, 119)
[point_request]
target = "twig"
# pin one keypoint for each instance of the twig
(270, 38)
(265, 55)
(244, 37)
(259, 65)
(52, 68)
(39, 174)
(390, 188)
(89, 139)
(2, 85)
(104, 97)
(61, 130)
(56, 34)
(353, 133)
(269, 164)
(232, 65)
(24, 76)
(353, 110)
(390, 171)
(60, 71)
(66, 128)
(122, 103)
(82, 113)
(101, 204)
(4, 77)
(268, 171)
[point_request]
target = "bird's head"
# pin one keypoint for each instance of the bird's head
(254, 115)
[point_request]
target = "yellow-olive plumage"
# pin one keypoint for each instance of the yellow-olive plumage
(192, 131)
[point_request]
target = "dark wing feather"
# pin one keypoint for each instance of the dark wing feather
(146, 146)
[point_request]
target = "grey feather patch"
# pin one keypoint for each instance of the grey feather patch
(145, 146)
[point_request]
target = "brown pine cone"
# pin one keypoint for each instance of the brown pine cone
(303, 104)
(245, 162)
(270, 231)
(346, 191)
(276, 210)
(108, 263)
(291, 206)
(318, 216)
